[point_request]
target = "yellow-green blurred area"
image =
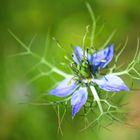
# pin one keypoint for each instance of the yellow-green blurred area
(66, 20)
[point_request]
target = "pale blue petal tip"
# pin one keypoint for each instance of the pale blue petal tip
(78, 99)
(64, 88)
(102, 58)
(77, 54)
(111, 83)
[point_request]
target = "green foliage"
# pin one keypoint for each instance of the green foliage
(30, 71)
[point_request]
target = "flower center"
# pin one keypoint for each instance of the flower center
(82, 70)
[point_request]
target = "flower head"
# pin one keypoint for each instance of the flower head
(87, 67)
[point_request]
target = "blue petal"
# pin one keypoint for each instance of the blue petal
(102, 58)
(78, 54)
(64, 88)
(78, 100)
(111, 83)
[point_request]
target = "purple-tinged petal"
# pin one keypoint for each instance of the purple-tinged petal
(111, 83)
(77, 54)
(78, 100)
(64, 88)
(102, 58)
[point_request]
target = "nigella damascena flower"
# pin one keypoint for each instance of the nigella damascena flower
(87, 67)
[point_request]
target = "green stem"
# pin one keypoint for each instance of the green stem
(97, 99)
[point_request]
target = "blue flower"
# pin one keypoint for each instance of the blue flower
(78, 85)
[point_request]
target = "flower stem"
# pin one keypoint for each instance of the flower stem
(96, 98)
(100, 107)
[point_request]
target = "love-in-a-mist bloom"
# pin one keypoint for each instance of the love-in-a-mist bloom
(87, 67)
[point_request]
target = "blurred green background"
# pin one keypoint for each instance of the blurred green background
(65, 20)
